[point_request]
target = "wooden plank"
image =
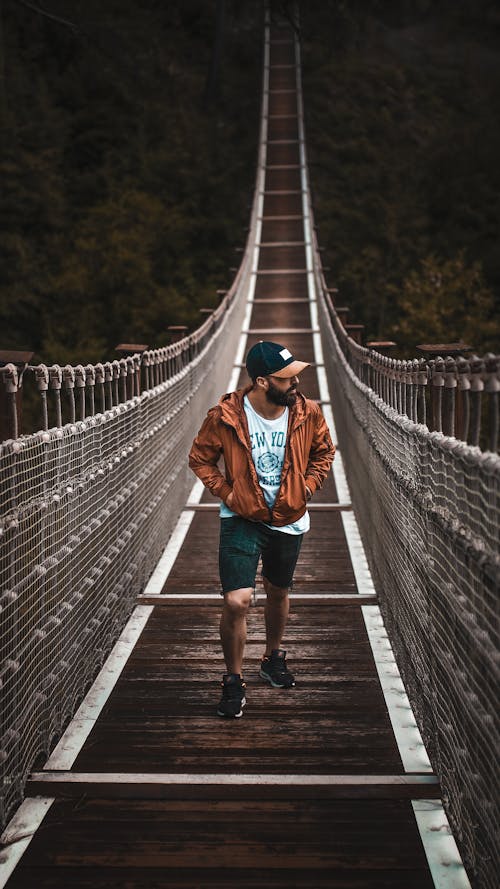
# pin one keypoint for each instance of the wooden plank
(223, 786)
(324, 507)
(346, 844)
(271, 244)
(285, 218)
(297, 599)
(281, 285)
(280, 272)
(161, 716)
(282, 331)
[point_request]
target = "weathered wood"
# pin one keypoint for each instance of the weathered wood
(348, 844)
(296, 599)
(328, 507)
(161, 714)
(225, 787)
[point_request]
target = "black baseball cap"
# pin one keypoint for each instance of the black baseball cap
(267, 358)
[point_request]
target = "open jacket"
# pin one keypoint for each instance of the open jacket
(308, 457)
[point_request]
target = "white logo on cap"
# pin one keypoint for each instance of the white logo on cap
(285, 354)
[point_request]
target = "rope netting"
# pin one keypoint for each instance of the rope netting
(85, 513)
(428, 507)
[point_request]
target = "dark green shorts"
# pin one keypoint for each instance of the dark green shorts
(241, 545)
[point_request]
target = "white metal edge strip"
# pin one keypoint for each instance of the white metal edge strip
(73, 739)
(164, 566)
(19, 832)
(362, 573)
(443, 857)
(196, 779)
(187, 597)
(408, 738)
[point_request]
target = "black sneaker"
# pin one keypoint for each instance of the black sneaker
(233, 696)
(275, 671)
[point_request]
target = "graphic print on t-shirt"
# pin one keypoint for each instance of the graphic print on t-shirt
(268, 441)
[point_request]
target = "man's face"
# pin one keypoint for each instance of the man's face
(282, 390)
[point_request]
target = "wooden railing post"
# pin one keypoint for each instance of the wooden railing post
(9, 388)
(492, 387)
(476, 394)
(12, 367)
(449, 396)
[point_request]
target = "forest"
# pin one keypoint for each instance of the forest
(127, 168)
(129, 151)
(403, 139)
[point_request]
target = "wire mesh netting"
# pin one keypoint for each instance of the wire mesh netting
(428, 507)
(85, 512)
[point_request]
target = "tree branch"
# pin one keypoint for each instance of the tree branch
(49, 15)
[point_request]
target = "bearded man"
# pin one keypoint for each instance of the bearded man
(277, 452)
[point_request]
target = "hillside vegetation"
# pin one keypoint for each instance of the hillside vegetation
(404, 140)
(126, 176)
(127, 173)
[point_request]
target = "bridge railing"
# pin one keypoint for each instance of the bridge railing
(456, 395)
(87, 505)
(69, 393)
(86, 510)
(428, 507)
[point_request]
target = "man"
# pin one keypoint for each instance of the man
(277, 452)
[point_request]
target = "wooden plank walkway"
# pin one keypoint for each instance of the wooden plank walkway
(309, 789)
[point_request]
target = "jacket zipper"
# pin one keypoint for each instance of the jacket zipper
(248, 453)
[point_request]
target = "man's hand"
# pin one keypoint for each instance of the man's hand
(229, 501)
(308, 494)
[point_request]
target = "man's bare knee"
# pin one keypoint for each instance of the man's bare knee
(275, 592)
(237, 602)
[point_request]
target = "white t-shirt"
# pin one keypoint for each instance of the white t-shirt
(268, 440)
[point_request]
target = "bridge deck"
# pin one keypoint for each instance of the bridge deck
(309, 788)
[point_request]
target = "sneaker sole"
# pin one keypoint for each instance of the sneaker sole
(274, 684)
(234, 715)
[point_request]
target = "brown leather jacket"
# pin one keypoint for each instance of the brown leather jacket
(308, 458)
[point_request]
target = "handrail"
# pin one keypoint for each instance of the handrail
(444, 393)
(104, 385)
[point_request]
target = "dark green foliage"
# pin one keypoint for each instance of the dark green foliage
(123, 196)
(404, 140)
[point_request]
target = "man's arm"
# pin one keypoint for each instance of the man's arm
(321, 454)
(205, 454)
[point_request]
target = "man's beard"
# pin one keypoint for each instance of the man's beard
(276, 396)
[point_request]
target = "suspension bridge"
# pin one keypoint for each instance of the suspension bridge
(115, 769)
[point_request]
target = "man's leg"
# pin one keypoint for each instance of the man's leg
(238, 558)
(275, 614)
(233, 627)
(273, 667)
(278, 564)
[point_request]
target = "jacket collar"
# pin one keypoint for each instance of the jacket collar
(233, 411)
